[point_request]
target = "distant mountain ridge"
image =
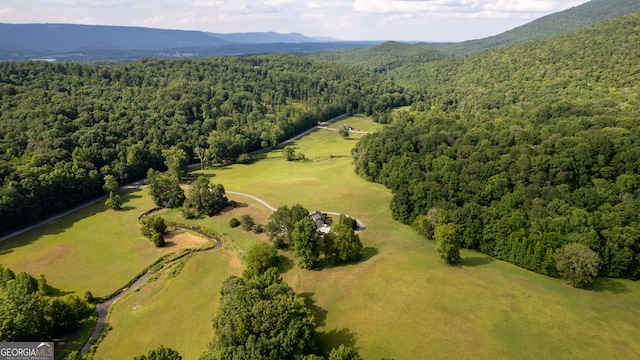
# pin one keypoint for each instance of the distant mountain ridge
(43, 38)
(266, 38)
(23, 41)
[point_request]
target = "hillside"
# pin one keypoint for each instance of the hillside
(569, 20)
(524, 149)
(384, 57)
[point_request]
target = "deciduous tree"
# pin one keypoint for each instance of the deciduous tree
(261, 257)
(207, 199)
(176, 161)
(577, 264)
(305, 240)
(343, 244)
(447, 245)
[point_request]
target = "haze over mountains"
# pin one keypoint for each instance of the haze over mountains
(68, 42)
(96, 42)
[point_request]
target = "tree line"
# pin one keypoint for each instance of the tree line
(30, 312)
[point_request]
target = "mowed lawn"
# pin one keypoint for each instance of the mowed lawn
(174, 311)
(402, 302)
(92, 249)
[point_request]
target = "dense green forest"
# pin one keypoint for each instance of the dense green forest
(64, 127)
(523, 150)
(384, 57)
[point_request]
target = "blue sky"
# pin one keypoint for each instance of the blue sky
(425, 20)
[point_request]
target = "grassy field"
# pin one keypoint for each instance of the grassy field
(93, 249)
(358, 122)
(173, 310)
(402, 302)
(399, 302)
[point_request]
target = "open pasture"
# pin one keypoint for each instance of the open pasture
(92, 249)
(402, 302)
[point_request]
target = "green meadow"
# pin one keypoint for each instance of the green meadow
(399, 302)
(92, 249)
(402, 302)
(174, 310)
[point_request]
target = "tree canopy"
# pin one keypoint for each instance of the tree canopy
(261, 318)
(577, 264)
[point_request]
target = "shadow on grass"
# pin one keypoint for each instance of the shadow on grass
(285, 264)
(256, 157)
(328, 339)
(127, 196)
(238, 204)
(476, 261)
(53, 291)
(320, 313)
(333, 339)
(367, 253)
(608, 285)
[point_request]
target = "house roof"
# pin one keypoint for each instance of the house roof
(316, 216)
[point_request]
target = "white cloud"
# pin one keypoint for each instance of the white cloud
(6, 11)
(530, 6)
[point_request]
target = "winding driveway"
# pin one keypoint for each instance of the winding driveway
(103, 308)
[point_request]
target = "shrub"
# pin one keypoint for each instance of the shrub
(247, 222)
(257, 228)
(153, 225)
(189, 212)
(244, 158)
(158, 239)
(233, 222)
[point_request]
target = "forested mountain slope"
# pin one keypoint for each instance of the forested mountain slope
(523, 149)
(63, 127)
(573, 19)
(384, 57)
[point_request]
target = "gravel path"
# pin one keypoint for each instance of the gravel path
(270, 207)
(103, 308)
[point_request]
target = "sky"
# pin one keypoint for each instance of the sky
(409, 20)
